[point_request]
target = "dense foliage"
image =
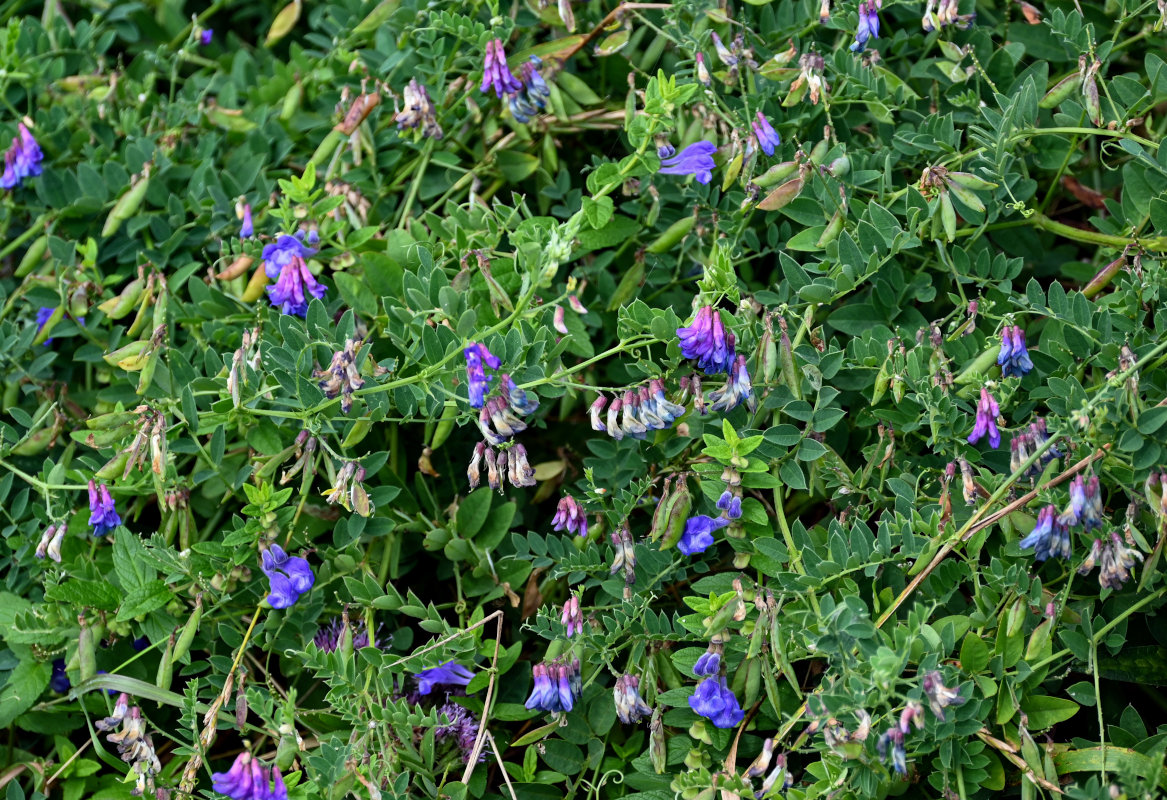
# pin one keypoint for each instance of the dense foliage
(650, 400)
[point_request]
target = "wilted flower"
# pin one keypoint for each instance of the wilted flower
(940, 696)
(594, 412)
(1014, 357)
(1040, 435)
(519, 471)
(342, 377)
(418, 109)
(289, 577)
(913, 714)
(714, 701)
(50, 543)
(472, 471)
(811, 66)
(1115, 559)
(498, 423)
(572, 618)
(477, 382)
(969, 485)
(496, 75)
(696, 159)
(284, 260)
(349, 491)
(103, 516)
(760, 764)
(570, 516)
(625, 558)
(891, 743)
(630, 706)
(555, 687)
(702, 73)
(447, 674)
(737, 390)
(330, 635)
(23, 159)
(698, 535)
(707, 341)
(986, 420)
(532, 96)
(1048, 538)
(768, 138)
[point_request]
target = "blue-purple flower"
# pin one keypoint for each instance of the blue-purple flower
(249, 779)
(205, 36)
(986, 420)
(247, 228)
(698, 535)
(737, 390)
(289, 577)
(891, 743)
(570, 516)
(731, 504)
(768, 138)
(707, 341)
(557, 687)
(59, 681)
(940, 696)
(477, 382)
(330, 635)
(630, 706)
(496, 75)
(462, 730)
(868, 24)
(284, 259)
(103, 515)
(710, 661)
(43, 315)
(1085, 504)
(1014, 357)
(1049, 537)
(532, 96)
(717, 703)
(696, 159)
(23, 159)
(448, 674)
(521, 402)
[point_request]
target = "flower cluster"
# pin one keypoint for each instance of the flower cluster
(570, 516)
(289, 577)
(696, 160)
(707, 341)
(495, 74)
(986, 420)
(939, 16)
(285, 260)
(868, 27)
(510, 464)
(1115, 560)
(533, 95)
(418, 109)
(342, 377)
(1085, 505)
(630, 706)
(249, 779)
(572, 617)
(636, 412)
(462, 730)
(22, 160)
(1024, 444)
(557, 686)
(737, 390)
(331, 635)
(477, 381)
(1049, 536)
(1014, 357)
(103, 515)
(890, 745)
(133, 743)
(450, 674)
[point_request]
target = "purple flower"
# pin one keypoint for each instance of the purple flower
(892, 743)
(329, 637)
(714, 701)
(285, 259)
(447, 674)
(23, 159)
(940, 696)
(707, 341)
(249, 779)
(666, 151)
(696, 159)
(868, 24)
(737, 390)
(572, 617)
(43, 314)
(247, 229)
(768, 138)
(59, 682)
(462, 730)
(1049, 537)
(477, 383)
(103, 516)
(532, 97)
(698, 535)
(496, 75)
(570, 516)
(630, 706)
(206, 36)
(731, 504)
(986, 420)
(557, 687)
(710, 661)
(289, 576)
(1014, 357)
(521, 402)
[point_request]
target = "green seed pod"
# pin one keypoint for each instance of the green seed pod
(776, 173)
(898, 384)
(128, 351)
(673, 234)
(33, 256)
(967, 197)
(148, 368)
(1061, 91)
(445, 424)
(166, 666)
(255, 285)
(127, 205)
(1093, 101)
(86, 652)
(832, 231)
(35, 443)
(967, 180)
(753, 683)
(819, 153)
(840, 166)
(978, 366)
(660, 514)
(373, 21)
(144, 304)
(182, 646)
(360, 430)
(117, 307)
(732, 170)
(292, 101)
(658, 750)
(789, 372)
(882, 378)
(160, 308)
(948, 216)
(678, 513)
(114, 468)
(781, 196)
(1038, 641)
(1016, 618)
(47, 329)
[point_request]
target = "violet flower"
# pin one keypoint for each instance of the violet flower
(696, 159)
(43, 315)
(737, 390)
(892, 743)
(447, 674)
(698, 535)
(249, 779)
(284, 260)
(496, 75)
(557, 687)
(330, 635)
(768, 138)
(533, 94)
(940, 696)
(714, 701)
(630, 706)
(710, 661)
(103, 515)
(521, 401)
(1049, 537)
(570, 516)
(868, 27)
(707, 341)
(247, 229)
(986, 420)
(206, 36)
(462, 730)
(289, 577)
(477, 382)
(731, 504)
(1014, 357)
(23, 159)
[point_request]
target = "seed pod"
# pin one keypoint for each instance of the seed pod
(127, 205)
(753, 682)
(166, 666)
(114, 419)
(35, 443)
(897, 388)
(147, 375)
(1016, 618)
(283, 23)
(182, 646)
(782, 196)
(967, 180)
(776, 173)
(139, 322)
(1104, 276)
(117, 307)
(292, 101)
(160, 307)
(236, 268)
(371, 24)
(979, 365)
(1061, 91)
(819, 152)
(657, 745)
(1038, 640)
(967, 197)
(255, 285)
(673, 234)
(47, 329)
(33, 256)
(86, 652)
(732, 170)
(678, 514)
(445, 424)
(114, 468)
(229, 119)
(832, 231)
(840, 166)
(660, 515)
(882, 379)
(360, 430)
(948, 216)
(790, 374)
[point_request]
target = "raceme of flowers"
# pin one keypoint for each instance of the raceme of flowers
(526, 95)
(285, 261)
(22, 160)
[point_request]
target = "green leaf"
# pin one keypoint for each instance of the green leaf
(1045, 711)
(598, 212)
(83, 593)
(974, 654)
(1152, 419)
(25, 684)
(146, 598)
(472, 512)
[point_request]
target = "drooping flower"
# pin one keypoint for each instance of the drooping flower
(50, 543)
(521, 401)
(716, 702)
(1116, 560)
(533, 94)
(342, 378)
(698, 535)
(498, 423)
(418, 109)
(940, 696)
(913, 714)
(570, 516)
(1049, 537)
(702, 71)
(737, 390)
(496, 75)
(136, 748)
(519, 470)
(477, 381)
(1091, 515)
(986, 420)
(572, 617)
(23, 159)
(630, 706)
(447, 674)
(557, 687)
(473, 470)
(707, 341)
(331, 635)
(768, 138)
(285, 261)
(247, 228)
(891, 743)
(868, 27)
(289, 577)
(103, 516)
(696, 159)
(594, 412)
(1014, 357)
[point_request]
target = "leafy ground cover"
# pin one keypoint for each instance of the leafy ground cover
(583, 400)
